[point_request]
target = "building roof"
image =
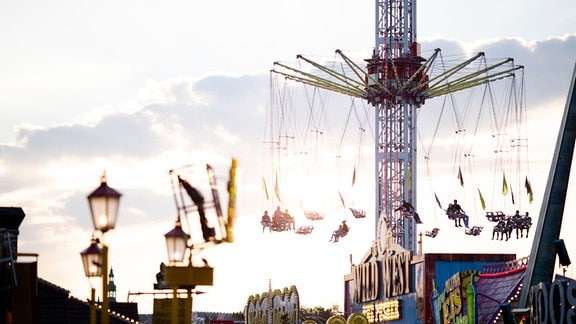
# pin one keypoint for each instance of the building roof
(56, 305)
(498, 284)
(11, 217)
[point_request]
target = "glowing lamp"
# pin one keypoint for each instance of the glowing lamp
(104, 202)
(176, 242)
(92, 260)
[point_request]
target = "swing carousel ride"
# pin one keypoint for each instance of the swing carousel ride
(340, 130)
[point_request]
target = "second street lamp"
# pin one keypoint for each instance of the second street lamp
(92, 262)
(183, 276)
(104, 203)
(176, 243)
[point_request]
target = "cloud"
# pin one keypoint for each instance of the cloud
(115, 134)
(51, 168)
(548, 63)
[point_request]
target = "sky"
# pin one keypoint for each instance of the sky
(137, 88)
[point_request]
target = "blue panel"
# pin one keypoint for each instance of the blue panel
(409, 311)
(446, 269)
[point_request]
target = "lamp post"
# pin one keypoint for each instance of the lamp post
(176, 243)
(183, 276)
(176, 246)
(103, 202)
(92, 261)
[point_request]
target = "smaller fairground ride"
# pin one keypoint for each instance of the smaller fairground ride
(198, 203)
(200, 224)
(314, 159)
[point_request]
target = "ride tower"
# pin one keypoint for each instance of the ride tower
(397, 81)
(394, 73)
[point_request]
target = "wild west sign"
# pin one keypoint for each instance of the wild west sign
(384, 275)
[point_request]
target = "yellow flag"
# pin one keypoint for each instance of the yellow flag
(265, 189)
(231, 202)
(482, 200)
(504, 185)
(277, 188)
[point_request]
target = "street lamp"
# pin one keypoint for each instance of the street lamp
(103, 202)
(176, 243)
(92, 262)
(92, 259)
(183, 276)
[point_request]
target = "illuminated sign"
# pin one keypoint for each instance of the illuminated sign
(279, 306)
(389, 269)
(384, 311)
(396, 274)
(366, 282)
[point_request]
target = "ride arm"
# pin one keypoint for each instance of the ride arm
(440, 85)
(311, 80)
(360, 71)
(346, 85)
(542, 261)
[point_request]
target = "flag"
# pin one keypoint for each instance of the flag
(482, 200)
(529, 190)
(276, 188)
(512, 195)
(504, 185)
(354, 176)
(341, 199)
(438, 201)
(231, 202)
(265, 188)
(409, 179)
(194, 194)
(460, 177)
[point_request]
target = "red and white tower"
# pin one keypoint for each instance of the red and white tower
(394, 73)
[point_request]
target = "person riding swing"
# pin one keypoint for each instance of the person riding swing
(455, 212)
(408, 211)
(266, 221)
(340, 232)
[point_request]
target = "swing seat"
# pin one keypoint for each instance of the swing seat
(313, 215)
(305, 229)
(475, 230)
(342, 233)
(357, 213)
(280, 226)
(266, 223)
(495, 216)
(433, 232)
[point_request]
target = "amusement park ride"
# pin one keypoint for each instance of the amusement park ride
(196, 204)
(207, 226)
(397, 81)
